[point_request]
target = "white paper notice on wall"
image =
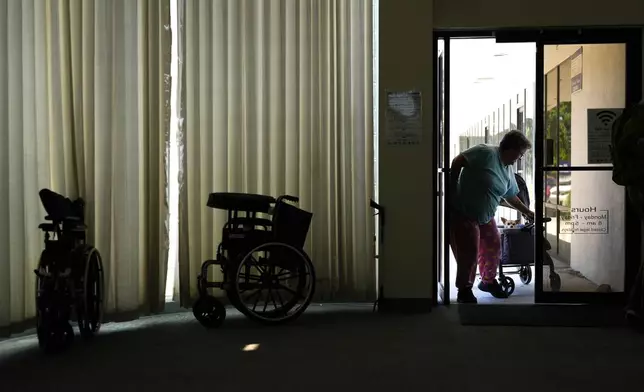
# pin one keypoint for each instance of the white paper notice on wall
(585, 220)
(404, 118)
(600, 124)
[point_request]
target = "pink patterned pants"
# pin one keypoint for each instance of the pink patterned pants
(472, 243)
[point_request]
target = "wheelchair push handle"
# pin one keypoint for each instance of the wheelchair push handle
(290, 198)
(380, 212)
(545, 219)
(531, 222)
(375, 205)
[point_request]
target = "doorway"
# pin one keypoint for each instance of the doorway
(566, 110)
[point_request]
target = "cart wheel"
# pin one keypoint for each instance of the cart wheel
(209, 311)
(508, 285)
(555, 282)
(525, 274)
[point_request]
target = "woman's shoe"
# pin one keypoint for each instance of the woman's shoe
(466, 296)
(493, 288)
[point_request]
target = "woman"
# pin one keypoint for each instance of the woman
(480, 178)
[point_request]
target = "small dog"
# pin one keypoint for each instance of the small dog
(510, 224)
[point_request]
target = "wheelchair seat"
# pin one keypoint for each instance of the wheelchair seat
(251, 222)
(240, 202)
(73, 227)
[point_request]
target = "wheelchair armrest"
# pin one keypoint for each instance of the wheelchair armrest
(67, 218)
(47, 226)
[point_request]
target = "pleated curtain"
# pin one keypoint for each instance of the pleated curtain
(84, 111)
(276, 98)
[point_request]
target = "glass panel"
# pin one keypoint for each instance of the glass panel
(564, 142)
(589, 252)
(552, 118)
(581, 78)
(586, 234)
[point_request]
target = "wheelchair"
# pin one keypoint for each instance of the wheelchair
(267, 275)
(69, 277)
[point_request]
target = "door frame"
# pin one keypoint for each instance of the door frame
(435, 176)
(632, 37)
(440, 208)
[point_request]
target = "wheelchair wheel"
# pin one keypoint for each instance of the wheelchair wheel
(274, 283)
(91, 302)
(53, 329)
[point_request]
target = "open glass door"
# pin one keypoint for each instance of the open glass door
(442, 170)
(589, 242)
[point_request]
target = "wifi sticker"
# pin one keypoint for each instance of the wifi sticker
(600, 123)
(606, 117)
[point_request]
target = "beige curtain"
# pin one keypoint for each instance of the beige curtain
(276, 97)
(84, 110)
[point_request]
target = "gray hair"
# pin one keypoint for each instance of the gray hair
(515, 140)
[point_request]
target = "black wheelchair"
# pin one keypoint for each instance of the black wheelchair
(69, 277)
(267, 275)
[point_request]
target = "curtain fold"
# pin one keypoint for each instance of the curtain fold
(276, 97)
(84, 111)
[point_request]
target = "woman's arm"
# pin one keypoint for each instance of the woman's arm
(517, 204)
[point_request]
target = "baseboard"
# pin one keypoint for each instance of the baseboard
(405, 305)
